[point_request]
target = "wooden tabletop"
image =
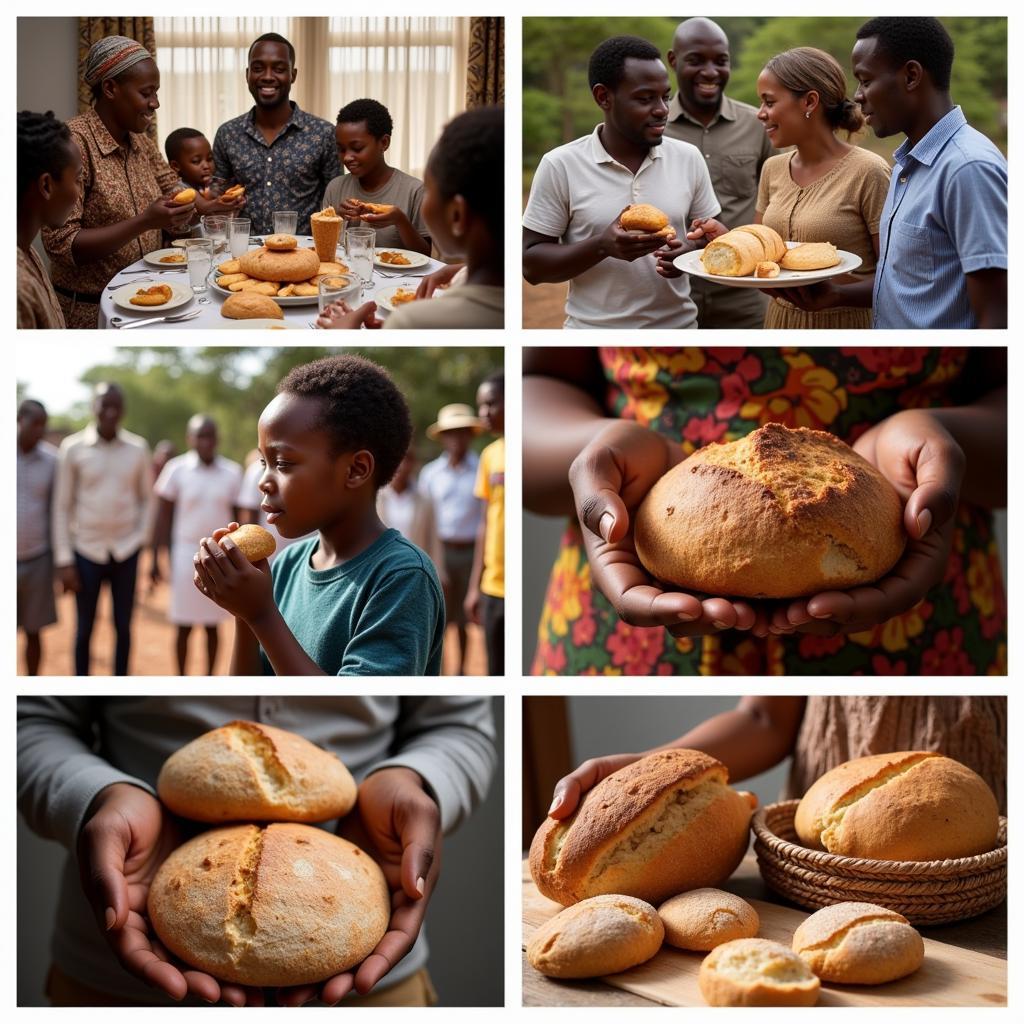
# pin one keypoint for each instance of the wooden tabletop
(985, 935)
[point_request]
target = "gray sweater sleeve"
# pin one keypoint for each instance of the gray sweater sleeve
(449, 741)
(58, 773)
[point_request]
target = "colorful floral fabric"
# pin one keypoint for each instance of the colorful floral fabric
(697, 396)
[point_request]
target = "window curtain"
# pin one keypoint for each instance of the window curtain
(92, 30)
(485, 62)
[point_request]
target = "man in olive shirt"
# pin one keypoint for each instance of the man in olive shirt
(735, 147)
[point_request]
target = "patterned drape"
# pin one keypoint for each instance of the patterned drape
(92, 30)
(485, 69)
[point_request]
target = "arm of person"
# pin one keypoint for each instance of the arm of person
(93, 244)
(245, 652)
(986, 291)
(411, 238)
(753, 737)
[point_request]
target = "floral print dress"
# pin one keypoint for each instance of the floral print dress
(697, 396)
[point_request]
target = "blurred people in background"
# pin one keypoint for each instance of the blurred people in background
(37, 467)
(250, 498)
(198, 491)
(410, 510)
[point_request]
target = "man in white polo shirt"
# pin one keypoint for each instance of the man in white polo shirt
(570, 227)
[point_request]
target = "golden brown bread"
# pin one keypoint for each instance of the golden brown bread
(810, 256)
(249, 306)
(158, 295)
(734, 254)
(185, 196)
(281, 242)
(771, 241)
(704, 918)
(767, 268)
(859, 944)
(253, 541)
(756, 972)
(285, 905)
(247, 771)
(598, 936)
(908, 805)
(646, 218)
(292, 265)
(779, 513)
(666, 823)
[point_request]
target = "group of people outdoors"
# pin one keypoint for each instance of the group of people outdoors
(389, 558)
(930, 230)
(101, 195)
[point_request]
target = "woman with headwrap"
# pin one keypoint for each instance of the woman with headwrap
(126, 184)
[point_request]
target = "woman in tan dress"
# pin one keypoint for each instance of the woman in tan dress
(824, 190)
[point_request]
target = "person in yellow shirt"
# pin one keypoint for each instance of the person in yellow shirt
(485, 601)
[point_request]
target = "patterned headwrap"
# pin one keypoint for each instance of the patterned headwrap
(111, 57)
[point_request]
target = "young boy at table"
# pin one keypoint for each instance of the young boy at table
(356, 598)
(190, 156)
(49, 164)
(363, 134)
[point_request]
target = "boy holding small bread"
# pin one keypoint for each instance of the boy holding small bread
(356, 598)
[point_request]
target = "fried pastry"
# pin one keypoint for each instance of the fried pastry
(158, 295)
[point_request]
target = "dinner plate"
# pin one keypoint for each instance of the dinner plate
(288, 300)
(153, 259)
(689, 263)
(416, 259)
(384, 296)
(260, 323)
(181, 295)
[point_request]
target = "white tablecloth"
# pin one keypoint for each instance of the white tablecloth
(210, 316)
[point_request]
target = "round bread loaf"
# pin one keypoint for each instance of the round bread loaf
(779, 513)
(705, 918)
(282, 905)
(909, 805)
(292, 265)
(810, 256)
(250, 306)
(646, 218)
(666, 823)
(247, 771)
(601, 935)
(253, 541)
(756, 972)
(281, 243)
(859, 944)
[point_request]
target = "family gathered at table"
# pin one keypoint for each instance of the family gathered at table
(103, 198)
(926, 238)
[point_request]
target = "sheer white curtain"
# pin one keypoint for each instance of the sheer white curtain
(416, 67)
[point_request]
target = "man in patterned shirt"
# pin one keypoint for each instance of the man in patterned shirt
(283, 156)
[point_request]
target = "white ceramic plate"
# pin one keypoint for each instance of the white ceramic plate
(264, 323)
(288, 300)
(181, 295)
(153, 259)
(689, 263)
(383, 296)
(416, 259)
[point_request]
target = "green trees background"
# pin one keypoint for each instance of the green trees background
(165, 386)
(557, 106)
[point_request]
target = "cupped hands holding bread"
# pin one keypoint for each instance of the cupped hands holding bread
(224, 574)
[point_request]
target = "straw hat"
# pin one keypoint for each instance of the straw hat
(454, 417)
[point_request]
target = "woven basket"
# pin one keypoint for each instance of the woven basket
(925, 892)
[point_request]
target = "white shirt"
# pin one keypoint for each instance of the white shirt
(579, 189)
(451, 490)
(204, 495)
(101, 497)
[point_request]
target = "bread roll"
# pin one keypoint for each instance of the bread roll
(284, 905)
(779, 513)
(910, 805)
(281, 243)
(772, 242)
(185, 196)
(291, 266)
(646, 218)
(859, 944)
(734, 254)
(663, 824)
(756, 972)
(250, 306)
(810, 256)
(253, 541)
(601, 935)
(767, 268)
(705, 918)
(247, 771)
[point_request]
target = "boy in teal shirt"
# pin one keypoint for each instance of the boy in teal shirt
(356, 598)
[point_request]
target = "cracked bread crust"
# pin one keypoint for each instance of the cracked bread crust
(779, 513)
(908, 805)
(285, 905)
(250, 771)
(666, 823)
(704, 918)
(756, 972)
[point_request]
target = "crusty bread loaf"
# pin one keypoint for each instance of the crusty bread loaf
(285, 905)
(247, 771)
(253, 541)
(909, 805)
(734, 254)
(859, 944)
(705, 918)
(779, 513)
(666, 823)
(646, 218)
(249, 306)
(292, 265)
(598, 936)
(756, 972)
(773, 243)
(810, 256)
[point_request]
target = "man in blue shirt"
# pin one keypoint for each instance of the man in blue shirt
(943, 235)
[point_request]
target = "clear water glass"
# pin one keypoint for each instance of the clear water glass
(239, 236)
(286, 222)
(359, 243)
(215, 227)
(199, 257)
(338, 288)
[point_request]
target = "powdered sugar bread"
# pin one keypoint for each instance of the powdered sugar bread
(704, 918)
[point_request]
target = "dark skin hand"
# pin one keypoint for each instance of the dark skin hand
(438, 279)
(91, 244)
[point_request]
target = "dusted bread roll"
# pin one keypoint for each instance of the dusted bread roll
(779, 513)
(290, 265)
(249, 771)
(663, 824)
(284, 905)
(810, 256)
(756, 972)
(253, 541)
(910, 805)
(859, 944)
(705, 918)
(647, 218)
(601, 935)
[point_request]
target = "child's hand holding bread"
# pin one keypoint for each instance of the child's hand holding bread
(233, 572)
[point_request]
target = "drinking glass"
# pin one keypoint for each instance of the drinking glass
(239, 236)
(199, 257)
(285, 222)
(215, 227)
(335, 287)
(359, 243)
